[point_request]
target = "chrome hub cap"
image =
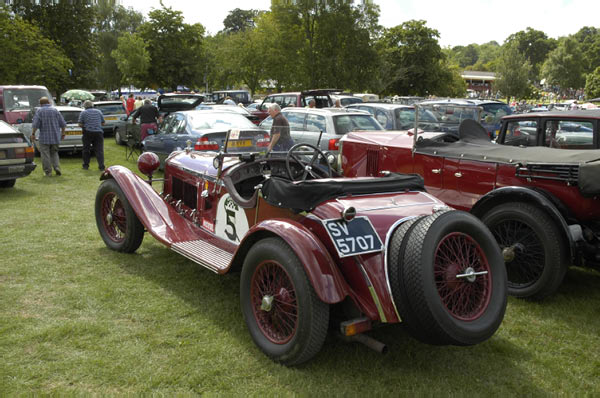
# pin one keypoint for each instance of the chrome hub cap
(470, 274)
(266, 303)
(109, 218)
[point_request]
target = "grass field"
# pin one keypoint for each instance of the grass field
(78, 318)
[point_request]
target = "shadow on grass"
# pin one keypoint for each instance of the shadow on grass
(408, 366)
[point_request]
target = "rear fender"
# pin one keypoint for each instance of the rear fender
(522, 194)
(325, 277)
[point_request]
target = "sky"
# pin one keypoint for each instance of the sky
(459, 22)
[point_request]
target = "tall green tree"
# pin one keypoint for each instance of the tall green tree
(412, 52)
(589, 40)
(132, 59)
(592, 84)
(176, 49)
(113, 21)
(564, 66)
(71, 25)
(513, 70)
(30, 58)
(239, 20)
(535, 45)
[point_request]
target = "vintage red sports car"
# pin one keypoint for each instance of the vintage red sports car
(541, 204)
(371, 250)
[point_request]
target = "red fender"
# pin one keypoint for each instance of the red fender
(324, 275)
(159, 219)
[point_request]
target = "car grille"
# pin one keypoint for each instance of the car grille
(184, 192)
(545, 171)
(373, 162)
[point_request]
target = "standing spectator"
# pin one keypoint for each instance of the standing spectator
(280, 131)
(124, 102)
(91, 121)
(52, 130)
(130, 104)
(228, 101)
(138, 102)
(338, 103)
(148, 114)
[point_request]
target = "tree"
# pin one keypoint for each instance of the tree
(28, 57)
(564, 66)
(176, 49)
(592, 84)
(589, 40)
(132, 59)
(535, 45)
(71, 25)
(112, 22)
(513, 69)
(240, 20)
(415, 57)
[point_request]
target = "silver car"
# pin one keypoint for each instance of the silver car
(114, 119)
(72, 141)
(306, 125)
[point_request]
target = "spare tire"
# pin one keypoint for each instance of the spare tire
(448, 278)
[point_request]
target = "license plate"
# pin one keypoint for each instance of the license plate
(2, 154)
(16, 169)
(73, 132)
(354, 237)
(238, 144)
(110, 118)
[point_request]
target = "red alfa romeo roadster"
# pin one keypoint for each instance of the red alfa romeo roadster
(307, 244)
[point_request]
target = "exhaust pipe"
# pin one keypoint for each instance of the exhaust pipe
(370, 342)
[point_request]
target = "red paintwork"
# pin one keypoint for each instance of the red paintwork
(148, 162)
(394, 153)
(333, 278)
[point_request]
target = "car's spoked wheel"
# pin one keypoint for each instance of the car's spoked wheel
(117, 223)
(533, 250)
(448, 279)
(285, 318)
(522, 251)
(274, 302)
(462, 276)
(113, 217)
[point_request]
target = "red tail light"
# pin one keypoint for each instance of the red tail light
(334, 144)
(263, 142)
(203, 144)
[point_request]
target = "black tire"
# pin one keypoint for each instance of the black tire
(118, 138)
(534, 251)
(426, 257)
(8, 183)
(292, 330)
(118, 224)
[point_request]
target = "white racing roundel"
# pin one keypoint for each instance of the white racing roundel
(231, 223)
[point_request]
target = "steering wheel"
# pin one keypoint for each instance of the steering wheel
(317, 157)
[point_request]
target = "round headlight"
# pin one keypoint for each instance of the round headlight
(147, 163)
(217, 162)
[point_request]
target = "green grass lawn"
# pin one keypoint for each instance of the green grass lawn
(76, 317)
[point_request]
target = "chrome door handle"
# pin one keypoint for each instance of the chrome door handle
(458, 174)
(436, 171)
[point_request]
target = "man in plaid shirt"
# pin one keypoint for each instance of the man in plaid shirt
(52, 130)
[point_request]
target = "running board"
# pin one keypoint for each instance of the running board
(205, 254)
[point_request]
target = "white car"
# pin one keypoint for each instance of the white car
(73, 133)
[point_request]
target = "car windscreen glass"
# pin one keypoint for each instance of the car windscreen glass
(110, 109)
(405, 118)
(24, 98)
(219, 121)
(70, 116)
(447, 116)
(267, 123)
(349, 101)
(346, 123)
(492, 113)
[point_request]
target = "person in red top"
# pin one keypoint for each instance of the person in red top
(130, 104)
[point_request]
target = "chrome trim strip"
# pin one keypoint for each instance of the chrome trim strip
(13, 161)
(372, 291)
(385, 258)
(14, 145)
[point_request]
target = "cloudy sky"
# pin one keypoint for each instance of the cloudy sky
(460, 22)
